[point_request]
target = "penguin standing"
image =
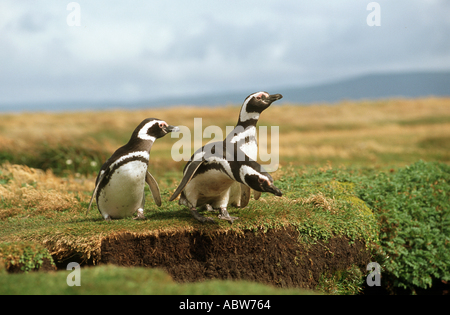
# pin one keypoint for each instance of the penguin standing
(209, 176)
(244, 136)
(223, 172)
(119, 187)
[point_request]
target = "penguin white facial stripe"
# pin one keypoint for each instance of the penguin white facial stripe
(247, 170)
(143, 132)
(260, 94)
(256, 95)
(142, 154)
(246, 115)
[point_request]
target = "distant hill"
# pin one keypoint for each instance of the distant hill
(372, 86)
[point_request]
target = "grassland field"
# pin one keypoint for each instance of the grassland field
(49, 161)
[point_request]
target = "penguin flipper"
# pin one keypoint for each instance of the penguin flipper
(245, 195)
(188, 174)
(256, 194)
(154, 188)
(99, 180)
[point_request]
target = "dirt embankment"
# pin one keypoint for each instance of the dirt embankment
(275, 257)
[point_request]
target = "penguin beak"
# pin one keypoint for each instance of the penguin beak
(172, 129)
(274, 190)
(274, 97)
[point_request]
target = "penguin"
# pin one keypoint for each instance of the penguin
(237, 150)
(244, 135)
(209, 175)
(119, 187)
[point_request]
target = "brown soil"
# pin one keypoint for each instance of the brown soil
(275, 257)
(46, 266)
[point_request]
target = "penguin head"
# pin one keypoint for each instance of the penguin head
(260, 181)
(152, 129)
(256, 103)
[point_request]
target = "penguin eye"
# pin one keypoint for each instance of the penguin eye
(162, 125)
(261, 180)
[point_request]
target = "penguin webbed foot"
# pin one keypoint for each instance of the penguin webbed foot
(140, 215)
(211, 209)
(224, 215)
(199, 217)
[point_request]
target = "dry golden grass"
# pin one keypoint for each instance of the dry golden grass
(366, 131)
(45, 180)
(372, 133)
(359, 112)
(43, 192)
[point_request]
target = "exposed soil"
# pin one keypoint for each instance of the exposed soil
(274, 257)
(46, 266)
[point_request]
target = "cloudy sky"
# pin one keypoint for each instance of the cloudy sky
(137, 50)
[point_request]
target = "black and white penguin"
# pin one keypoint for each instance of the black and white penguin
(244, 136)
(215, 175)
(119, 188)
(209, 175)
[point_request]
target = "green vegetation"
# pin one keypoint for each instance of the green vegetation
(345, 282)
(121, 280)
(317, 206)
(26, 256)
(413, 209)
(330, 208)
(62, 159)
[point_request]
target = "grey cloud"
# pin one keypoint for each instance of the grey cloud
(202, 46)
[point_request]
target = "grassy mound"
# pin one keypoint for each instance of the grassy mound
(315, 206)
(120, 280)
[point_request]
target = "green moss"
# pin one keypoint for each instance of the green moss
(27, 255)
(342, 282)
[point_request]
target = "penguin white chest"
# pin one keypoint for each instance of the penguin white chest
(211, 187)
(124, 193)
